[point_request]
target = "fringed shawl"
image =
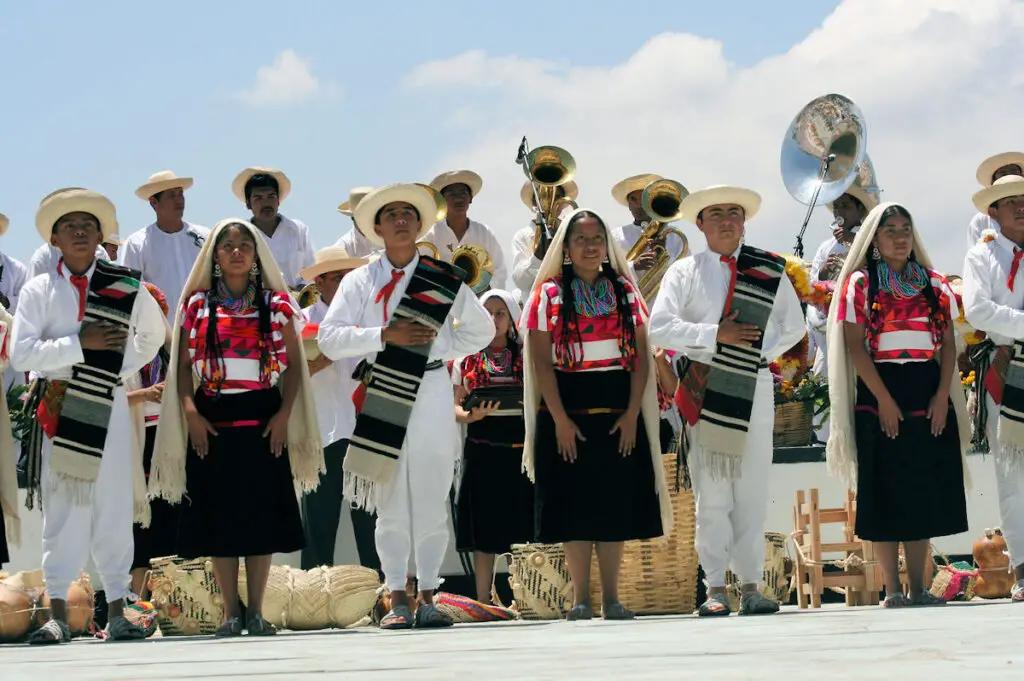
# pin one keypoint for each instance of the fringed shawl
(8, 457)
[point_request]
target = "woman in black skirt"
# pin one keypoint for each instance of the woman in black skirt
(893, 313)
(495, 505)
(595, 455)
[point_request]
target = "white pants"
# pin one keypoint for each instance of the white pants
(1010, 485)
(103, 528)
(412, 521)
(731, 513)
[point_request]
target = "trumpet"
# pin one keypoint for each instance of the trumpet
(660, 200)
(548, 168)
(474, 260)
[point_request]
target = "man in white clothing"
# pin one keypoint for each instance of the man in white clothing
(459, 188)
(730, 310)
(45, 258)
(406, 315)
(333, 387)
(165, 251)
(353, 241)
(263, 190)
(993, 295)
(80, 338)
(628, 193)
(990, 170)
(13, 274)
(526, 253)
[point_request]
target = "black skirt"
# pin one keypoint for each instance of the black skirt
(911, 487)
(4, 556)
(240, 498)
(602, 496)
(161, 537)
(495, 506)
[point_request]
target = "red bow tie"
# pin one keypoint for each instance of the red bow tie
(389, 288)
(81, 282)
(731, 262)
(1017, 255)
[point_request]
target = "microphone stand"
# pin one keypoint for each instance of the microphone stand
(826, 162)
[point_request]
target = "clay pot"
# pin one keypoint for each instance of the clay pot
(994, 575)
(15, 612)
(81, 607)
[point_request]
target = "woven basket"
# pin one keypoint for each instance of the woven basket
(540, 582)
(793, 423)
(778, 570)
(186, 596)
(321, 598)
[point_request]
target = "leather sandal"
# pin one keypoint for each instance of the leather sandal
(756, 603)
(399, 617)
(120, 629)
(230, 629)
(897, 600)
(257, 626)
(429, 617)
(579, 612)
(717, 605)
(1017, 592)
(51, 633)
(927, 599)
(616, 611)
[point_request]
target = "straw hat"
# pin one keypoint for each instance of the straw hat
(331, 259)
(355, 195)
(113, 239)
(466, 177)
(162, 181)
(1008, 185)
(419, 196)
(284, 185)
(4, 223)
(57, 204)
(716, 195)
(526, 193)
(993, 163)
(869, 199)
(626, 187)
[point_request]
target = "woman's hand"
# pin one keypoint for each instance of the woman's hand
(198, 430)
(626, 425)
(154, 393)
(481, 411)
(889, 416)
(938, 408)
(277, 428)
(566, 432)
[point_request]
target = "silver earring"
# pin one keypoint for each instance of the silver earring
(216, 270)
(255, 269)
(875, 255)
(566, 260)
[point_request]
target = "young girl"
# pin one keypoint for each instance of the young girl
(495, 507)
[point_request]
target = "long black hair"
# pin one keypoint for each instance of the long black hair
(564, 347)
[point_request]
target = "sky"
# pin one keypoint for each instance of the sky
(342, 94)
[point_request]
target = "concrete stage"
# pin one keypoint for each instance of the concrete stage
(976, 640)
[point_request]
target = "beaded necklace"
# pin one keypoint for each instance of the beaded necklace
(232, 304)
(906, 284)
(593, 301)
(497, 362)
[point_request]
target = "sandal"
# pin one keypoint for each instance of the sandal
(616, 611)
(257, 626)
(51, 633)
(717, 605)
(231, 628)
(120, 629)
(756, 603)
(927, 599)
(429, 617)
(399, 617)
(897, 600)
(579, 612)
(1017, 592)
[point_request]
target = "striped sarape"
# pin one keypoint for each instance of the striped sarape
(732, 378)
(1011, 411)
(85, 412)
(394, 381)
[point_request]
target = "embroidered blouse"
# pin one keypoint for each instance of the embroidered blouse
(904, 328)
(600, 335)
(478, 371)
(241, 344)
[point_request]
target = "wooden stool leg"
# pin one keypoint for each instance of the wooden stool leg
(818, 576)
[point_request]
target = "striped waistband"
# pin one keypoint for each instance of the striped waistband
(238, 423)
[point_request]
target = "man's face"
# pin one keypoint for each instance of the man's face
(633, 201)
(458, 198)
(264, 202)
(1003, 171)
(850, 210)
(398, 224)
(76, 235)
(328, 283)
(1008, 212)
(723, 226)
(111, 250)
(169, 205)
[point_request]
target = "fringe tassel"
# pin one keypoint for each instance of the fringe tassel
(361, 492)
(79, 491)
(307, 461)
(720, 466)
(13, 525)
(143, 515)
(168, 480)
(1011, 457)
(841, 457)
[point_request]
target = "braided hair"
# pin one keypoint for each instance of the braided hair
(565, 345)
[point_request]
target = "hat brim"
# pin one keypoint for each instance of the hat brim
(284, 185)
(146, 191)
(416, 195)
(466, 177)
(313, 271)
(697, 201)
(989, 195)
(4, 224)
(77, 201)
(572, 191)
(993, 163)
(623, 189)
(345, 208)
(858, 192)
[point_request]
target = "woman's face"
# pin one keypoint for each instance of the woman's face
(235, 251)
(501, 316)
(587, 244)
(895, 238)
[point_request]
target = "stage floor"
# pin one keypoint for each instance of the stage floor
(968, 640)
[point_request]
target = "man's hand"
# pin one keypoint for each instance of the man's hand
(732, 332)
(406, 332)
(102, 336)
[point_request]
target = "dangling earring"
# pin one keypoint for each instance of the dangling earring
(254, 271)
(566, 260)
(216, 270)
(875, 255)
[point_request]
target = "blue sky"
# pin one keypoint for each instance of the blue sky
(102, 94)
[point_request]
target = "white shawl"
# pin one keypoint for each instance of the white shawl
(8, 457)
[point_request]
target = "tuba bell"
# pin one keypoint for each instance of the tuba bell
(660, 200)
(307, 295)
(548, 168)
(476, 262)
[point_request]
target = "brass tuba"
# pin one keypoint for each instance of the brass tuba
(660, 200)
(476, 262)
(549, 167)
(308, 295)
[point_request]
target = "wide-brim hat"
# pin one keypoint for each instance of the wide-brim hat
(331, 259)
(162, 181)
(466, 177)
(993, 163)
(57, 204)
(284, 185)
(572, 191)
(355, 195)
(869, 199)
(417, 195)
(626, 187)
(1007, 185)
(4, 224)
(114, 239)
(719, 194)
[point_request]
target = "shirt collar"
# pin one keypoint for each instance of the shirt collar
(61, 268)
(1005, 243)
(387, 267)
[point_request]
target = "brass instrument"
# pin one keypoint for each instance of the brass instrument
(548, 168)
(307, 295)
(434, 252)
(474, 260)
(660, 200)
(439, 201)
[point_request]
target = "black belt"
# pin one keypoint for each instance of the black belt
(436, 364)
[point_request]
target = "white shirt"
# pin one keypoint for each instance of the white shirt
(166, 259)
(477, 234)
(354, 323)
(989, 304)
(46, 257)
(689, 307)
(332, 389)
(45, 336)
(292, 249)
(525, 265)
(355, 244)
(627, 236)
(979, 223)
(816, 319)
(12, 279)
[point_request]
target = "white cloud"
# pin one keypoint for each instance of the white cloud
(287, 81)
(936, 80)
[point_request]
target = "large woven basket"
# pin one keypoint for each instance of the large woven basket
(321, 598)
(658, 576)
(186, 596)
(793, 423)
(778, 570)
